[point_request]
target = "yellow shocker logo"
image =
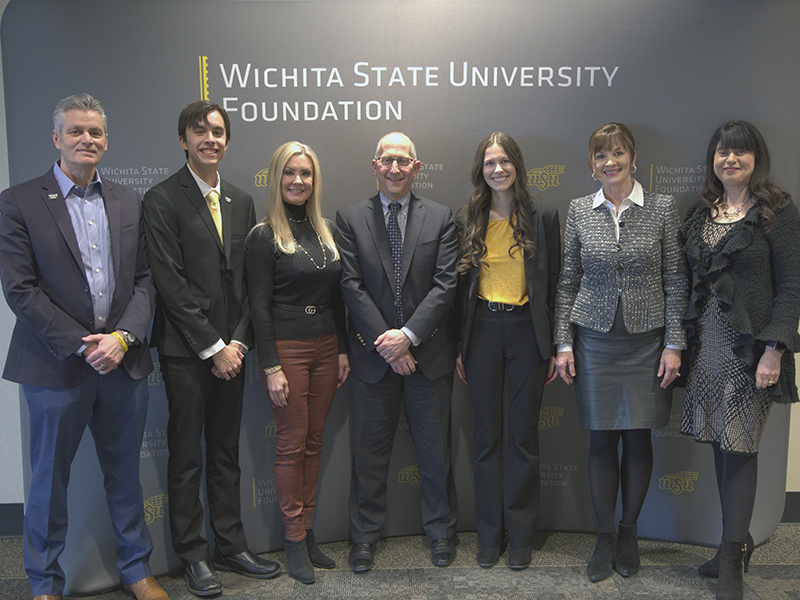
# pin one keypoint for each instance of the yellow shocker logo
(271, 430)
(202, 64)
(261, 178)
(154, 508)
(548, 417)
(409, 475)
(545, 177)
(677, 483)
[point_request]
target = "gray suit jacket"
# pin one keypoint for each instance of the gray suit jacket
(645, 270)
(430, 250)
(46, 288)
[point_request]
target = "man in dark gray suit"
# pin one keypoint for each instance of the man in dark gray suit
(399, 254)
(196, 224)
(74, 269)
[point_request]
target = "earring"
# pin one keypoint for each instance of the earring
(633, 170)
(593, 176)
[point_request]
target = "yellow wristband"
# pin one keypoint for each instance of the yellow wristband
(121, 340)
(271, 370)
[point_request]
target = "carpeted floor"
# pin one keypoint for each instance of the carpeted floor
(403, 571)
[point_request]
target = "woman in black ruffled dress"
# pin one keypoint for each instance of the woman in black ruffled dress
(740, 239)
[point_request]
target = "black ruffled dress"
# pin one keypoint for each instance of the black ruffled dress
(733, 310)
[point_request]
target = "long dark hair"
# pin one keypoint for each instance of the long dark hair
(472, 215)
(741, 135)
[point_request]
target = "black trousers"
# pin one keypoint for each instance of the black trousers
(201, 404)
(373, 423)
(504, 349)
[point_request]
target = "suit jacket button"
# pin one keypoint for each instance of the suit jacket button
(91, 321)
(86, 289)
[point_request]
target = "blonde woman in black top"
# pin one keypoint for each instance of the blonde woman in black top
(297, 312)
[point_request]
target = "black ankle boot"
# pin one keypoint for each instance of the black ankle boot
(711, 568)
(299, 564)
(731, 570)
(600, 564)
(318, 559)
(627, 561)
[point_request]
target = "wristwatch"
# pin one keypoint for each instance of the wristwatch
(779, 346)
(130, 339)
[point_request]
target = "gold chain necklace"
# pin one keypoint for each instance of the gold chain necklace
(733, 214)
(321, 245)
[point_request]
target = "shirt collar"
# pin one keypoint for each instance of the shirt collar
(404, 202)
(66, 184)
(636, 196)
(204, 187)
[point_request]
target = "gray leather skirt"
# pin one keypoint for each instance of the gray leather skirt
(616, 385)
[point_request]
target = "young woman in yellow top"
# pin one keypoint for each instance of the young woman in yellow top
(509, 263)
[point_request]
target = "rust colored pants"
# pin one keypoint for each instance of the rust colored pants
(311, 367)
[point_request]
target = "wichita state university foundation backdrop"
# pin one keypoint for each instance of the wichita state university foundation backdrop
(337, 75)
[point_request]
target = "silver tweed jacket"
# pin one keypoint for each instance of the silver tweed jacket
(645, 269)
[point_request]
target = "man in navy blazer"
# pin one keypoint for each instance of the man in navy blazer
(398, 254)
(196, 224)
(74, 269)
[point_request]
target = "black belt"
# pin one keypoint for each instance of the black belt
(500, 307)
(309, 310)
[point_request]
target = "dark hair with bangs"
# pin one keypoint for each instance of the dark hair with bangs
(197, 112)
(472, 215)
(606, 136)
(741, 135)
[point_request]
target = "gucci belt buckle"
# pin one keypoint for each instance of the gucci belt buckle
(310, 310)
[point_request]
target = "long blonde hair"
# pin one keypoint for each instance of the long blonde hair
(276, 213)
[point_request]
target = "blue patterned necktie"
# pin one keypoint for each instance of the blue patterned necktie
(396, 243)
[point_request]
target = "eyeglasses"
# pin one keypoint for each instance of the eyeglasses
(388, 161)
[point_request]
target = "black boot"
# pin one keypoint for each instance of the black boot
(318, 559)
(731, 570)
(299, 564)
(600, 564)
(711, 568)
(627, 560)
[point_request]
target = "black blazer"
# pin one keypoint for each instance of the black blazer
(45, 285)
(202, 295)
(430, 250)
(541, 276)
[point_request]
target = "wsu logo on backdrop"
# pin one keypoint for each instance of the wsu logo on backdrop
(409, 475)
(261, 178)
(677, 483)
(545, 177)
(548, 417)
(154, 508)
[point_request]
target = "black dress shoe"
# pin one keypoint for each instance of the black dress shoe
(443, 552)
(361, 557)
(248, 564)
(488, 557)
(202, 579)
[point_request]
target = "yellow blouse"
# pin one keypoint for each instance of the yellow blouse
(502, 278)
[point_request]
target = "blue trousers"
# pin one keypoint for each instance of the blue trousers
(114, 407)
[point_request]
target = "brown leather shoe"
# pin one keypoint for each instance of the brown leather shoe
(146, 589)
(48, 597)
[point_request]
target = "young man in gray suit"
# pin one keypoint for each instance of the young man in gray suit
(399, 254)
(196, 224)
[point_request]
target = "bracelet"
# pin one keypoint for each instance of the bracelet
(271, 370)
(779, 346)
(121, 340)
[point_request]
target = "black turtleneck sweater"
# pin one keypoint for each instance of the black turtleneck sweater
(282, 285)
